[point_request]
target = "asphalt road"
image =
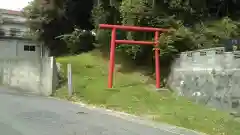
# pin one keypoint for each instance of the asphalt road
(33, 115)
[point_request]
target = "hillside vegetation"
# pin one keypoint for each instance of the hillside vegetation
(64, 27)
(133, 95)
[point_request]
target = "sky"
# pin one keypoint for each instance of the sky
(13, 4)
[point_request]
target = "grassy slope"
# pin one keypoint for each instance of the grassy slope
(132, 96)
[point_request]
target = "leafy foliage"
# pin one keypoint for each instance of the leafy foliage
(78, 41)
(57, 18)
(193, 24)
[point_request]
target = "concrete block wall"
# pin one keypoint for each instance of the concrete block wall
(32, 75)
(210, 77)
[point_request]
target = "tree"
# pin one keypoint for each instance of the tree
(55, 19)
(194, 24)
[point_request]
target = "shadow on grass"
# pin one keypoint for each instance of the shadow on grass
(131, 85)
(146, 66)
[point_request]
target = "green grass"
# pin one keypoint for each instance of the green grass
(131, 95)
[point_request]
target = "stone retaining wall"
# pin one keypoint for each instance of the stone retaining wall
(33, 75)
(210, 77)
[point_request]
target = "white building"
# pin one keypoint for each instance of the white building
(13, 43)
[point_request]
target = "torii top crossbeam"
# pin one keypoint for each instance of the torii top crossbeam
(132, 28)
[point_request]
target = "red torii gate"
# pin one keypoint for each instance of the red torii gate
(114, 42)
